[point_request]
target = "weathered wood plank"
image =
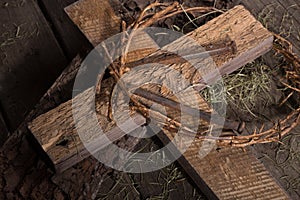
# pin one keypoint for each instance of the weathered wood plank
(251, 38)
(28, 51)
(234, 173)
(34, 179)
(95, 18)
(187, 70)
(78, 152)
(69, 36)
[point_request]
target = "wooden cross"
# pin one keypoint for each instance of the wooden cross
(229, 173)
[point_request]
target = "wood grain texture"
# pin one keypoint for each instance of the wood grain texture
(95, 18)
(28, 51)
(250, 37)
(233, 173)
(233, 182)
(23, 169)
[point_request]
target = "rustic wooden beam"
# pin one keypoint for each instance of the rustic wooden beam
(65, 156)
(96, 19)
(252, 40)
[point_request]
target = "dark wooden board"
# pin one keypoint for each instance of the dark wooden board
(29, 51)
(68, 35)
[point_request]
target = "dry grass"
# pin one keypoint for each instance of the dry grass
(171, 174)
(266, 16)
(242, 88)
(162, 184)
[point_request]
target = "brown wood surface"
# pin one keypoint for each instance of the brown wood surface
(243, 188)
(28, 51)
(96, 19)
(63, 146)
(263, 38)
(24, 169)
(65, 156)
(250, 37)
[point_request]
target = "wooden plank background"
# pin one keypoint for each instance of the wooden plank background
(29, 50)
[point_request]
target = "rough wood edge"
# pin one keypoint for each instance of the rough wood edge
(98, 144)
(95, 18)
